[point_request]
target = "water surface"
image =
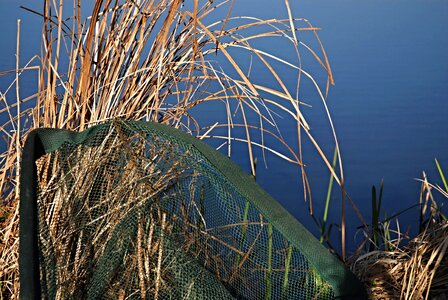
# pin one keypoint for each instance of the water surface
(389, 103)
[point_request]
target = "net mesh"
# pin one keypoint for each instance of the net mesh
(133, 212)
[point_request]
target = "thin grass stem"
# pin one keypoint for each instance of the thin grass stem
(442, 176)
(327, 200)
(286, 274)
(268, 294)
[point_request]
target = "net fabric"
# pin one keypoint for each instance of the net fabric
(134, 212)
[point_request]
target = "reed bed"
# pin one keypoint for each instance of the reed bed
(157, 61)
(404, 268)
(415, 271)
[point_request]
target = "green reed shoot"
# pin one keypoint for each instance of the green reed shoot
(268, 295)
(376, 207)
(245, 216)
(324, 233)
(243, 233)
(442, 176)
(286, 274)
(386, 236)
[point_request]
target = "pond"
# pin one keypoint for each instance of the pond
(389, 102)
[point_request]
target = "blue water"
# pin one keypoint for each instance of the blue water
(389, 103)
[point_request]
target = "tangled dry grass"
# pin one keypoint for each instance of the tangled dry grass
(85, 196)
(102, 221)
(418, 270)
(157, 61)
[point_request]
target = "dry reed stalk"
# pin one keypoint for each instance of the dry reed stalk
(140, 262)
(148, 255)
(151, 60)
(159, 260)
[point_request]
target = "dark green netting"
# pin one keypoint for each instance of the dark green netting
(130, 210)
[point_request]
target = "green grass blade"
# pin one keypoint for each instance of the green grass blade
(285, 276)
(243, 233)
(327, 201)
(442, 176)
(380, 198)
(373, 243)
(268, 295)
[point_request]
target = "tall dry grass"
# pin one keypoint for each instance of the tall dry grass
(158, 61)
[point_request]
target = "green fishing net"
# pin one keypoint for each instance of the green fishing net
(135, 210)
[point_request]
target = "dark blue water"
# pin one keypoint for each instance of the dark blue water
(389, 104)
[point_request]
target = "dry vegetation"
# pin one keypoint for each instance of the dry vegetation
(85, 196)
(415, 271)
(404, 268)
(157, 61)
(105, 203)
(136, 215)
